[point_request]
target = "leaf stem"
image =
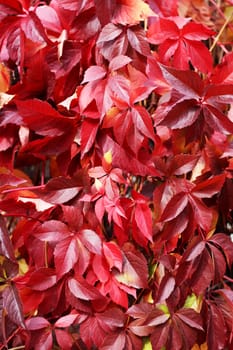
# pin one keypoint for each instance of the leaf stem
(220, 32)
(46, 254)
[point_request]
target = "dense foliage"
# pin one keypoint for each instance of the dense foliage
(116, 161)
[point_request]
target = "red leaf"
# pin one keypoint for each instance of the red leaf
(224, 242)
(210, 187)
(64, 339)
(137, 40)
(161, 30)
(52, 231)
(142, 121)
(94, 73)
(119, 62)
(124, 160)
(114, 342)
(66, 321)
(203, 61)
(203, 215)
(89, 131)
(196, 251)
(143, 219)
(83, 290)
(175, 206)
(91, 240)
(43, 119)
(59, 190)
(184, 38)
(191, 318)
(183, 163)
(66, 255)
(49, 18)
(156, 318)
(36, 323)
(114, 318)
(101, 268)
(188, 83)
(104, 10)
(166, 288)
(166, 8)
(42, 279)
(113, 255)
(216, 328)
(223, 72)
(109, 32)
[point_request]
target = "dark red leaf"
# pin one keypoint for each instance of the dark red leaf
(190, 317)
(216, 336)
(6, 248)
(210, 187)
(13, 305)
(174, 207)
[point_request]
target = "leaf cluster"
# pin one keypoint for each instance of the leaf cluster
(116, 165)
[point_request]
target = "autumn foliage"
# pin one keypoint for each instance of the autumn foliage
(116, 164)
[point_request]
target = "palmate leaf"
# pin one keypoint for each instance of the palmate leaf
(130, 175)
(179, 42)
(18, 31)
(202, 263)
(195, 99)
(103, 87)
(114, 40)
(180, 328)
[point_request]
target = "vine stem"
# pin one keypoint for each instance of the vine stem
(220, 32)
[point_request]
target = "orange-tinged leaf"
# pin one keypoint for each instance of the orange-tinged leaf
(4, 78)
(131, 11)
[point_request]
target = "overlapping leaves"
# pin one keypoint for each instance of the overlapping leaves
(116, 176)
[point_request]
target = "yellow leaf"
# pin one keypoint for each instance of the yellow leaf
(193, 302)
(23, 266)
(147, 344)
(164, 308)
(108, 157)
